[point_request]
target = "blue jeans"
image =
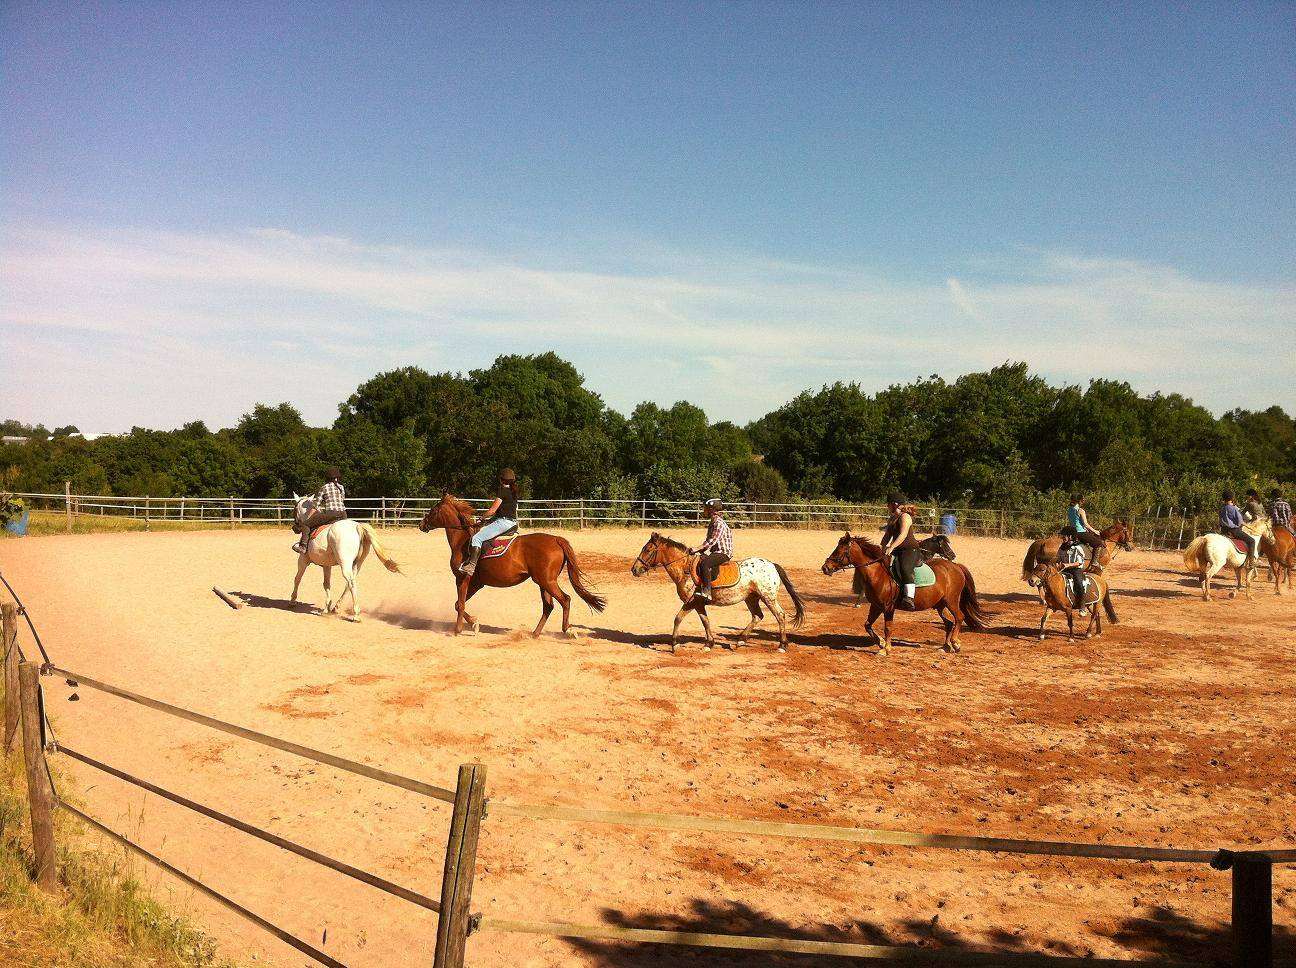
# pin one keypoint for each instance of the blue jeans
(490, 530)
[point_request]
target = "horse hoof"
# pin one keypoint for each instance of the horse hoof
(782, 648)
(476, 627)
(571, 634)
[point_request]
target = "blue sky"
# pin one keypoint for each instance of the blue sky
(723, 202)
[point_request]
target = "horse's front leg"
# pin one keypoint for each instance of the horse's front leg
(679, 618)
(461, 601)
(1070, 614)
(706, 627)
(303, 562)
(874, 611)
(1043, 620)
(887, 614)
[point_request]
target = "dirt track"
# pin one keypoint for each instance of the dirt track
(1174, 729)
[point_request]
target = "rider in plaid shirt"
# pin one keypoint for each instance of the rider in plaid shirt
(715, 550)
(1279, 510)
(330, 506)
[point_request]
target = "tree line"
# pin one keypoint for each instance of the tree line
(1002, 438)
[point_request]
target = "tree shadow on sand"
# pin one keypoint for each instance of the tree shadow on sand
(1150, 940)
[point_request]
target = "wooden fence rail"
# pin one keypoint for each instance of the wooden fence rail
(1252, 890)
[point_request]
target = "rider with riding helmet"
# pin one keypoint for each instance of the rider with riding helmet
(898, 539)
(1071, 563)
(501, 517)
(715, 550)
(330, 506)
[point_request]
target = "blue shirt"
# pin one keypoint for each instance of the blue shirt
(1073, 518)
(1230, 516)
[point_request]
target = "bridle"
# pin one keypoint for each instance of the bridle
(665, 565)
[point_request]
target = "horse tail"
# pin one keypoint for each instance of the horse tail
(1028, 563)
(798, 619)
(1195, 554)
(968, 604)
(576, 577)
(369, 539)
(1108, 607)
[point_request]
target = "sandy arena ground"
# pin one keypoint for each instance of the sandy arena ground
(1174, 729)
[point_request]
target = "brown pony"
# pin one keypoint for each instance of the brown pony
(953, 595)
(1045, 550)
(1281, 552)
(1053, 586)
(540, 557)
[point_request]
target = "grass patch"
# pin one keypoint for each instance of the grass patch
(101, 918)
(55, 522)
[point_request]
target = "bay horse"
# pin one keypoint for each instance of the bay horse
(1207, 554)
(540, 557)
(343, 543)
(953, 596)
(938, 545)
(758, 583)
(1054, 588)
(1045, 550)
(1280, 550)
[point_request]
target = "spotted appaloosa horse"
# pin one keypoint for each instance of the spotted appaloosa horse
(758, 583)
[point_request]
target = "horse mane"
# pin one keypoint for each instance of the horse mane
(671, 542)
(866, 545)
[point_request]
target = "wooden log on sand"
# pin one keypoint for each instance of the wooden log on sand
(227, 598)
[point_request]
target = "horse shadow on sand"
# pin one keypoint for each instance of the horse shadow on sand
(282, 604)
(1152, 939)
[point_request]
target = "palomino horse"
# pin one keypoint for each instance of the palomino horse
(937, 545)
(758, 582)
(1281, 552)
(1208, 553)
(1045, 550)
(953, 595)
(1056, 588)
(540, 557)
(344, 543)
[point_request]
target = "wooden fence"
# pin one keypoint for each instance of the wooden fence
(1252, 871)
(1157, 529)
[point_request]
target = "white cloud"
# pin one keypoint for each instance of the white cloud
(184, 325)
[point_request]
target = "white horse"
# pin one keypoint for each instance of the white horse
(1208, 553)
(344, 543)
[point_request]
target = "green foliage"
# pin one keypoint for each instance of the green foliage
(1002, 438)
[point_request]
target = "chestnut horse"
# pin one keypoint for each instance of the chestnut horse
(1045, 550)
(1281, 552)
(1054, 586)
(537, 556)
(953, 596)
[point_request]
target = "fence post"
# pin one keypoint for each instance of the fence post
(67, 504)
(460, 866)
(231, 512)
(148, 506)
(581, 525)
(40, 794)
(383, 516)
(10, 618)
(1252, 909)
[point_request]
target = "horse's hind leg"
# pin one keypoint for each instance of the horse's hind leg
(771, 602)
(565, 601)
(328, 589)
(349, 575)
(753, 605)
(953, 625)
(546, 606)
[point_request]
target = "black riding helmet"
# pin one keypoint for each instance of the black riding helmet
(895, 497)
(333, 474)
(713, 504)
(1275, 494)
(507, 476)
(1229, 495)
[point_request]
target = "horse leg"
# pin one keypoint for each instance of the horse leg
(679, 617)
(461, 601)
(706, 626)
(1043, 619)
(1070, 614)
(565, 601)
(753, 605)
(328, 589)
(953, 626)
(546, 606)
(771, 602)
(886, 630)
(303, 562)
(349, 574)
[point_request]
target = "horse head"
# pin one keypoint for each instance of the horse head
(450, 513)
(302, 506)
(1125, 536)
(841, 555)
(647, 559)
(940, 544)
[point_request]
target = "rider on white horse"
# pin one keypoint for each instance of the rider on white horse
(330, 506)
(1230, 523)
(715, 550)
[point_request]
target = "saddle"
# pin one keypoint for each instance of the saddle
(1242, 547)
(1090, 592)
(923, 574)
(499, 544)
(726, 576)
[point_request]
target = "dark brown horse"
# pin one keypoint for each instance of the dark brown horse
(1044, 551)
(953, 595)
(937, 545)
(537, 556)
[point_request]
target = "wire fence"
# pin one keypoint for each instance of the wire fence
(1252, 887)
(1156, 529)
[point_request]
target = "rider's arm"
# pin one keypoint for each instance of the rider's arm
(1084, 519)
(490, 511)
(904, 530)
(710, 542)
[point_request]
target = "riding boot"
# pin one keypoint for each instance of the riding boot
(704, 591)
(470, 566)
(907, 599)
(300, 547)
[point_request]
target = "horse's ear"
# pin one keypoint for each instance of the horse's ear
(296, 496)
(445, 495)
